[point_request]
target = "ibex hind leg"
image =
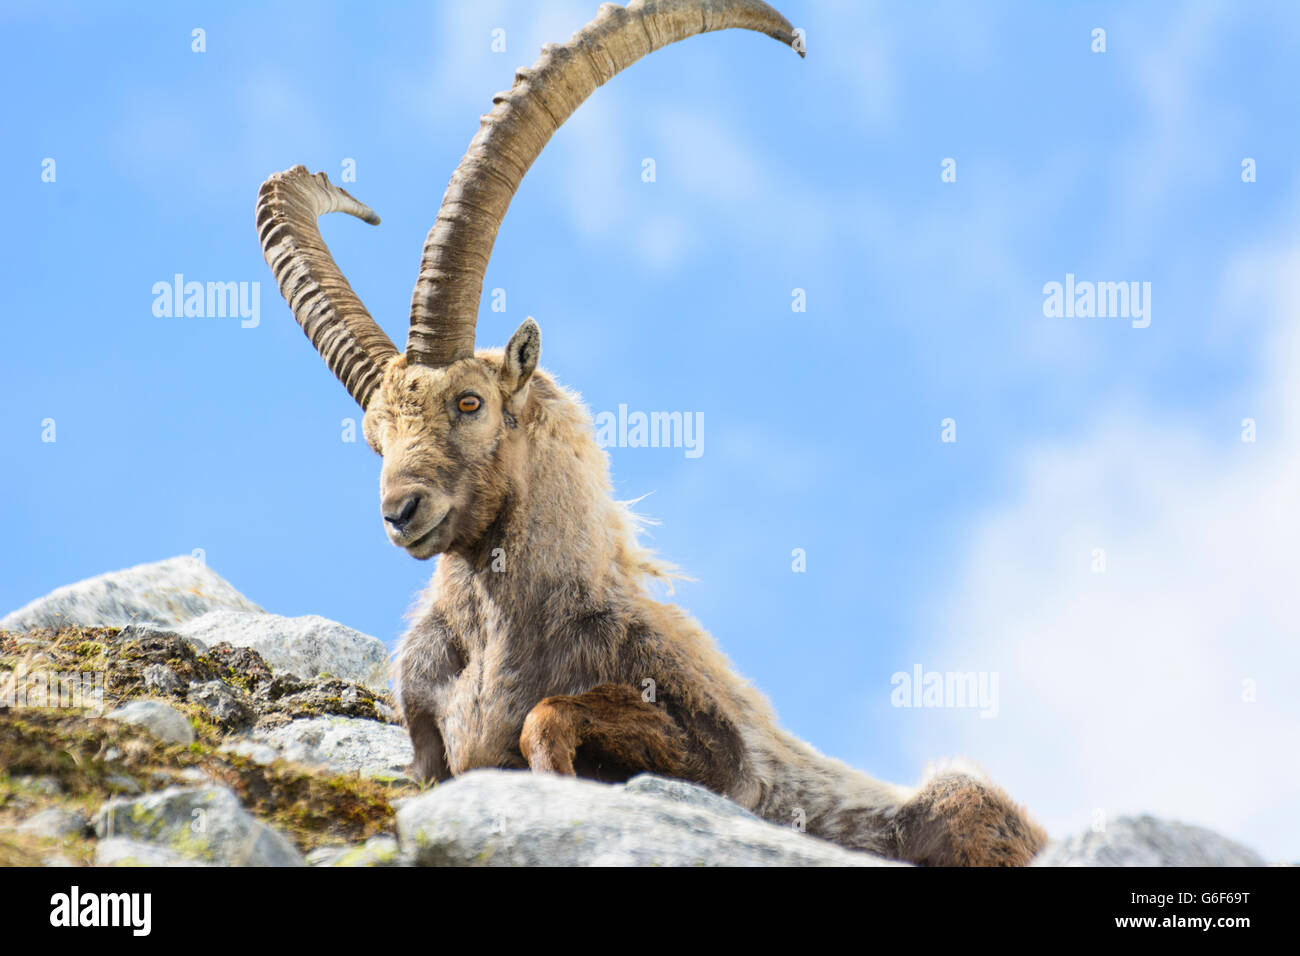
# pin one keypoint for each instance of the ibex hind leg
(609, 734)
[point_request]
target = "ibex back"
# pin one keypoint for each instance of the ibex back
(538, 643)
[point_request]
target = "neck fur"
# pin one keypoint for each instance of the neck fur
(559, 533)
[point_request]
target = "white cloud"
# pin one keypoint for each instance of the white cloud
(1123, 690)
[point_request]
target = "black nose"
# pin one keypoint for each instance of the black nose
(403, 517)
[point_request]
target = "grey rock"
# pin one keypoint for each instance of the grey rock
(254, 751)
(121, 851)
(161, 679)
(202, 823)
(342, 744)
(223, 705)
(160, 719)
(286, 697)
(55, 823)
(514, 818)
(46, 786)
(122, 783)
(164, 592)
(303, 646)
(327, 855)
(139, 631)
(651, 785)
(381, 850)
(1148, 841)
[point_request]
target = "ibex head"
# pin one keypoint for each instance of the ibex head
(446, 420)
(452, 447)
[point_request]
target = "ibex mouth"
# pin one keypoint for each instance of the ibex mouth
(430, 543)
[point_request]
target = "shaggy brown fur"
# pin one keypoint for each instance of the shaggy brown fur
(610, 731)
(538, 645)
(957, 821)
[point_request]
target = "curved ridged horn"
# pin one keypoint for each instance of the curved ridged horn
(444, 307)
(354, 347)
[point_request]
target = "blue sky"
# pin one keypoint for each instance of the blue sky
(1119, 691)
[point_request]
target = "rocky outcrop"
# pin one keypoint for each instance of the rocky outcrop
(120, 851)
(237, 737)
(341, 744)
(165, 592)
(206, 824)
(183, 596)
(1148, 841)
(510, 818)
(380, 850)
(159, 718)
(304, 646)
(56, 823)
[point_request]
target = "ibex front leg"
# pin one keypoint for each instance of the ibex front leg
(609, 733)
(426, 659)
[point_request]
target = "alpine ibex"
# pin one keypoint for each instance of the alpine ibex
(537, 632)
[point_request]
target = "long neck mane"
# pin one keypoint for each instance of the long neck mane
(560, 537)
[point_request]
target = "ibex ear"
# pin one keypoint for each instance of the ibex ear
(522, 352)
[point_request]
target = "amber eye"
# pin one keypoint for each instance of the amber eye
(469, 403)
